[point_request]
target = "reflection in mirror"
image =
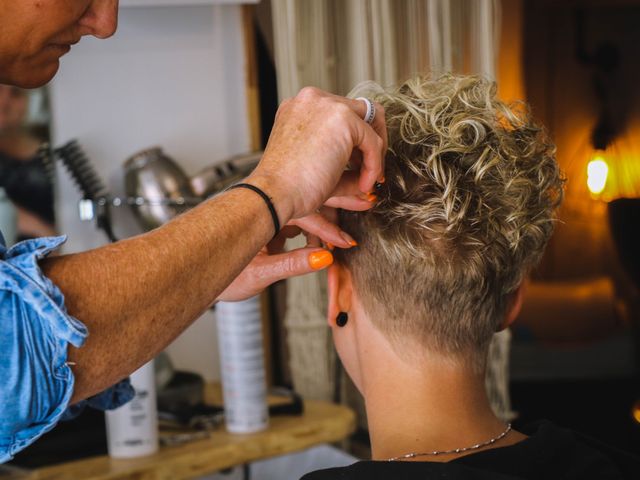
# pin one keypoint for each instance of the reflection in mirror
(24, 126)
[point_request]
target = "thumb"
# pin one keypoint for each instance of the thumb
(294, 263)
(267, 269)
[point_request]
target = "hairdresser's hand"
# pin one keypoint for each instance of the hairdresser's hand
(314, 137)
(273, 264)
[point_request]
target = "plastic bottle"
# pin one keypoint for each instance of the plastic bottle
(132, 429)
(242, 363)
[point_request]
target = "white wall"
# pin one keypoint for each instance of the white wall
(172, 76)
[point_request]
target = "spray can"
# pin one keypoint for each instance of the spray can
(132, 429)
(242, 364)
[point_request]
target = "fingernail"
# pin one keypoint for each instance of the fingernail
(369, 196)
(320, 259)
(330, 246)
(349, 239)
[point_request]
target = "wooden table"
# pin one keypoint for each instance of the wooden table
(321, 423)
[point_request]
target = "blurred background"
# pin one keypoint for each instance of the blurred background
(202, 80)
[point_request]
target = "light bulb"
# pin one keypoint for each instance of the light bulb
(597, 171)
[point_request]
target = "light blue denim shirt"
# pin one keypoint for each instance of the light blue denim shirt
(36, 383)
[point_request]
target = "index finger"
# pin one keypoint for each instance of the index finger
(370, 139)
(371, 145)
(378, 124)
(371, 162)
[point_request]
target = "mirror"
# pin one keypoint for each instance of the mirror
(24, 127)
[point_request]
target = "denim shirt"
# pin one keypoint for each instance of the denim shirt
(36, 383)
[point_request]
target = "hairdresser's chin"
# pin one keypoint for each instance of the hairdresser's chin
(35, 77)
(35, 65)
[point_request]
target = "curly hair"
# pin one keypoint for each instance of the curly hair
(467, 208)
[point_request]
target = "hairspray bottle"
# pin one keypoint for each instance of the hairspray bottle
(132, 429)
(242, 364)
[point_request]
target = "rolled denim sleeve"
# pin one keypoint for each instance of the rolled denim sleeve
(36, 383)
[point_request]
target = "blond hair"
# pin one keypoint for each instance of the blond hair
(466, 211)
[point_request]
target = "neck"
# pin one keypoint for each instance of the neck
(425, 406)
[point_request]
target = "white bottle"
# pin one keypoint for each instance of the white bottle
(132, 429)
(242, 364)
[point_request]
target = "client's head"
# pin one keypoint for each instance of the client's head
(464, 214)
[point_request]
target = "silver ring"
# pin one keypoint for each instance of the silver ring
(370, 116)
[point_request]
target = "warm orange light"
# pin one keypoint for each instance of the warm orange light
(597, 172)
(635, 411)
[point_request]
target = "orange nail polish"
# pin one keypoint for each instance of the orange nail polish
(372, 197)
(320, 259)
(330, 246)
(349, 239)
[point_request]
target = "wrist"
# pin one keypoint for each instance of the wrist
(280, 198)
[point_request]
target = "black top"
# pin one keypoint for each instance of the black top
(550, 452)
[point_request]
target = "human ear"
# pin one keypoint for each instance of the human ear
(514, 305)
(338, 291)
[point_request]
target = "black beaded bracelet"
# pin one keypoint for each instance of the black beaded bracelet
(267, 200)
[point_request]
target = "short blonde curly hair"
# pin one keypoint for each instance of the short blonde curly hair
(466, 211)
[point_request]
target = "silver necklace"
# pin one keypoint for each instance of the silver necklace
(456, 450)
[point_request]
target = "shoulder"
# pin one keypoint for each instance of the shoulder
(359, 470)
(329, 473)
(556, 452)
(371, 470)
(35, 332)
(549, 452)
(609, 458)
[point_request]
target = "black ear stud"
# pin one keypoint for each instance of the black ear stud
(342, 319)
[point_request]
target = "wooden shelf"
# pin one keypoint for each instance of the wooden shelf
(321, 423)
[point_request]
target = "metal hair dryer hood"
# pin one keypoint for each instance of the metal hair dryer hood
(159, 189)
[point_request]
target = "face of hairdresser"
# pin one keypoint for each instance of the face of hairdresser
(34, 34)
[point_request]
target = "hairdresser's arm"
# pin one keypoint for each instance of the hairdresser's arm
(137, 295)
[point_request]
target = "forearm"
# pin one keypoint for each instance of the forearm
(137, 295)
